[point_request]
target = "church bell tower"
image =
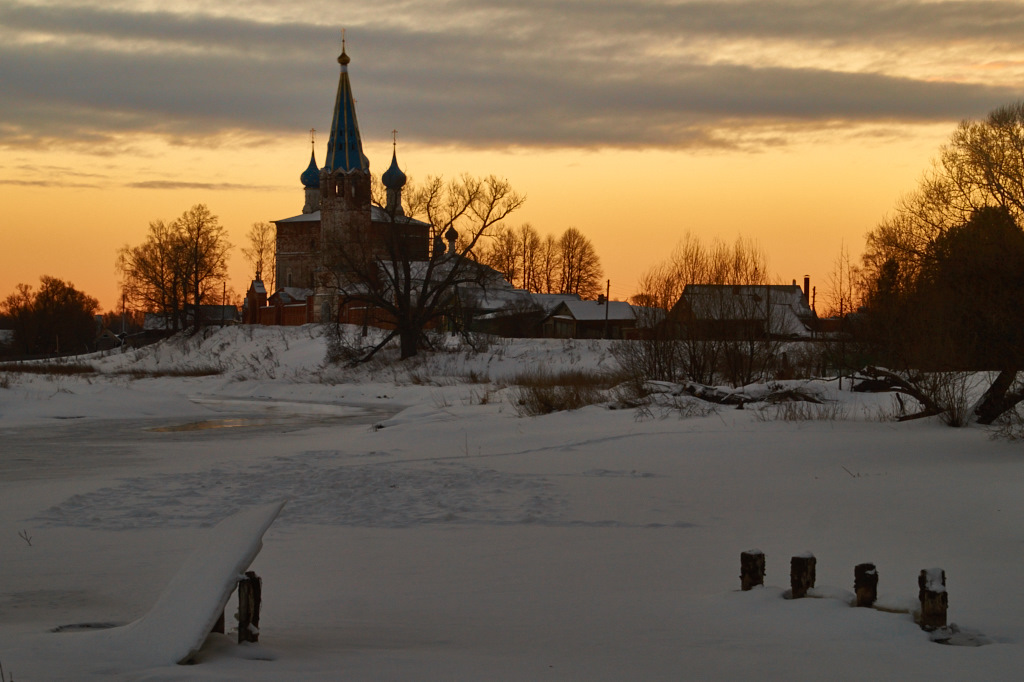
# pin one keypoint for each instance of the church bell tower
(345, 213)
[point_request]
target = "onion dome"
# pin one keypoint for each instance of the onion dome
(393, 177)
(311, 176)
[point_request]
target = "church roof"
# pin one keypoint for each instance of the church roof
(377, 215)
(345, 147)
(311, 176)
(393, 177)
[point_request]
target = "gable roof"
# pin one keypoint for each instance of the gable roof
(782, 306)
(594, 311)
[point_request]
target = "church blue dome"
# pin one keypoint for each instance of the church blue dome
(393, 177)
(311, 176)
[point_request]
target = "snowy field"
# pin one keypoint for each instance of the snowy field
(433, 533)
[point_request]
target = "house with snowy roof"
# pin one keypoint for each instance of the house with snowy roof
(600, 319)
(725, 311)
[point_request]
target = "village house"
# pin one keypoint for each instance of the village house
(780, 311)
(600, 319)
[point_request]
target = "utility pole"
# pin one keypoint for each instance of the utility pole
(607, 304)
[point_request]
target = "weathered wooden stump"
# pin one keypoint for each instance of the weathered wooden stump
(250, 594)
(751, 568)
(802, 574)
(934, 600)
(865, 584)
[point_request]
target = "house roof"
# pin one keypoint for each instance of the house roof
(499, 297)
(594, 311)
(288, 295)
(783, 306)
(548, 302)
(789, 295)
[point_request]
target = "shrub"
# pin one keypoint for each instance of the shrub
(532, 401)
(540, 392)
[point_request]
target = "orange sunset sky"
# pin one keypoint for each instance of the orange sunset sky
(798, 124)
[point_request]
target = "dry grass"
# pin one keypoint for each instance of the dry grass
(539, 392)
(572, 377)
(50, 368)
(86, 369)
(200, 371)
(799, 411)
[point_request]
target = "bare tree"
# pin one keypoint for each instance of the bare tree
(502, 253)
(942, 269)
(528, 244)
(381, 271)
(981, 165)
(261, 251)
(153, 273)
(206, 249)
(844, 285)
(178, 265)
(658, 355)
(580, 268)
(515, 252)
(724, 327)
(547, 266)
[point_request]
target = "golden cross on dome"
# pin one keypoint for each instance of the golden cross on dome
(394, 138)
(312, 135)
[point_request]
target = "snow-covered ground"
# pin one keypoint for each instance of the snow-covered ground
(432, 533)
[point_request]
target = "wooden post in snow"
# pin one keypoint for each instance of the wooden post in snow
(250, 594)
(934, 600)
(865, 584)
(802, 574)
(751, 568)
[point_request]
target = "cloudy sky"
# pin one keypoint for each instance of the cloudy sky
(795, 122)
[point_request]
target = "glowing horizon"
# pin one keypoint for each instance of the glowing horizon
(797, 129)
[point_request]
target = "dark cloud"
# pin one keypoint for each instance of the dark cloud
(47, 184)
(866, 22)
(213, 186)
(587, 74)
